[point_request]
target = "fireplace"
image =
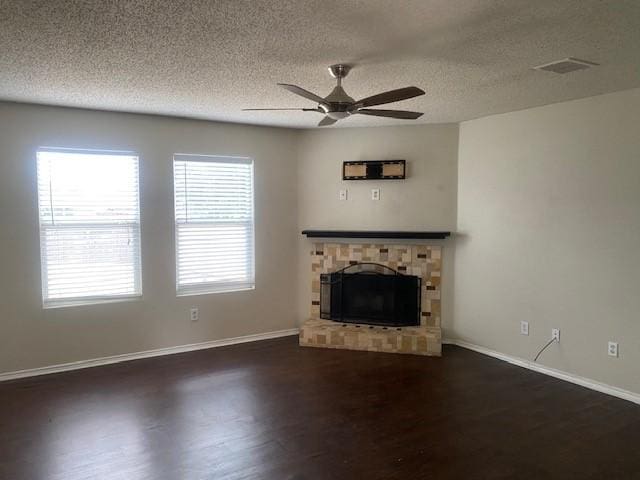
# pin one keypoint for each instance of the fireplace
(393, 320)
(370, 293)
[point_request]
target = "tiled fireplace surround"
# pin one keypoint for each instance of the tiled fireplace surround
(424, 261)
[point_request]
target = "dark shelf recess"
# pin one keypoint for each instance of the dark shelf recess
(374, 234)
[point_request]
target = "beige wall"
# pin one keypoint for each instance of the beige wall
(545, 201)
(549, 217)
(32, 337)
(426, 200)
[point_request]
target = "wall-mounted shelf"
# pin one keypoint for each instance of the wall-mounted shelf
(375, 234)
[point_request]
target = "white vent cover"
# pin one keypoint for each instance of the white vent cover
(565, 66)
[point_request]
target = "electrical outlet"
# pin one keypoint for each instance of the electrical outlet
(524, 328)
(194, 314)
(555, 334)
(613, 349)
(375, 194)
(343, 194)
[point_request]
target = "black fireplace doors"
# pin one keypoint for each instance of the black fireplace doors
(370, 293)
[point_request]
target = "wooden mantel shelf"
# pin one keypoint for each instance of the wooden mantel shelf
(374, 234)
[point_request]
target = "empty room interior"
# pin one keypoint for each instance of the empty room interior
(319, 239)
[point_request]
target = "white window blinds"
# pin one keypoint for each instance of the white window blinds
(214, 224)
(89, 226)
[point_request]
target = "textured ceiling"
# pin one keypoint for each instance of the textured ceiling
(210, 59)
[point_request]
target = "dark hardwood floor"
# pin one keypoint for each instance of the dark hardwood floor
(273, 410)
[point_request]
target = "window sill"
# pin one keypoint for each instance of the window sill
(49, 305)
(212, 292)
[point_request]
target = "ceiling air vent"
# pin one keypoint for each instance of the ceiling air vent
(565, 66)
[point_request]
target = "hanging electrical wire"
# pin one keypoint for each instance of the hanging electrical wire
(543, 349)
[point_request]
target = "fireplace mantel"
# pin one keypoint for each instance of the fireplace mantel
(375, 234)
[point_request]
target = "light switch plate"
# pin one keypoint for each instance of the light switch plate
(343, 194)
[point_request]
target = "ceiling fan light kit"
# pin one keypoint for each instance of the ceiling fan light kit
(339, 105)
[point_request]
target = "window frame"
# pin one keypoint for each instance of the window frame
(211, 288)
(48, 303)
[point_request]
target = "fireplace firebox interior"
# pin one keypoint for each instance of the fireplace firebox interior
(370, 293)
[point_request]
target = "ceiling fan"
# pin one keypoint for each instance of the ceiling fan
(338, 105)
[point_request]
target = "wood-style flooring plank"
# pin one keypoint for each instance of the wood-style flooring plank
(273, 410)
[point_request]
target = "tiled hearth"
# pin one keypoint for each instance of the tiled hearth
(424, 261)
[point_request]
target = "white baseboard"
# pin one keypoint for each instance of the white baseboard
(536, 367)
(96, 362)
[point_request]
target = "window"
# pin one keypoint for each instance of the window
(214, 224)
(89, 226)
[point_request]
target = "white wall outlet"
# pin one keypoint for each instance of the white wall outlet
(343, 194)
(194, 314)
(375, 194)
(524, 328)
(555, 334)
(612, 349)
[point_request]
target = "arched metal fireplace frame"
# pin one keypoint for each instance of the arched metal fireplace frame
(373, 294)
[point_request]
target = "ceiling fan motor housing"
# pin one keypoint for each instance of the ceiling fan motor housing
(337, 104)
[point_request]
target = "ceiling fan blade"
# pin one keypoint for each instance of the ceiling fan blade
(390, 96)
(403, 114)
(302, 92)
(269, 109)
(327, 121)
